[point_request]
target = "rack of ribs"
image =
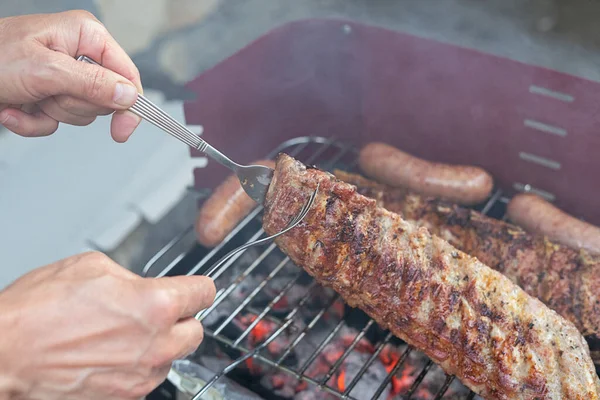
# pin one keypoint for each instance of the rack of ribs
(565, 279)
(470, 319)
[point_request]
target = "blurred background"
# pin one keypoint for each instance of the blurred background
(77, 190)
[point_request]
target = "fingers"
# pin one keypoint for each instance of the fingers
(78, 107)
(123, 124)
(184, 296)
(51, 108)
(96, 42)
(187, 335)
(94, 84)
(34, 124)
(181, 340)
(112, 86)
(73, 111)
(102, 88)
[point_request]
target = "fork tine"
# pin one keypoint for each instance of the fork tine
(303, 212)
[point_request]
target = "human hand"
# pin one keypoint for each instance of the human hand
(43, 84)
(86, 328)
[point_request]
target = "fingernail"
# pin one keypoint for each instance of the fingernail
(8, 120)
(125, 95)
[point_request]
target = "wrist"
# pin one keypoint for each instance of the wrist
(11, 386)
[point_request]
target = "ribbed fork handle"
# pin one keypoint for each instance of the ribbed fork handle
(149, 111)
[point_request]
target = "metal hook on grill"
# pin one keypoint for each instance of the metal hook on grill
(290, 226)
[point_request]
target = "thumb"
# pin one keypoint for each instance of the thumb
(188, 294)
(93, 83)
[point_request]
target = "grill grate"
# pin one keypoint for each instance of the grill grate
(326, 154)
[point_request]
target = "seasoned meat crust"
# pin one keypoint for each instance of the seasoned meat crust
(567, 280)
(470, 319)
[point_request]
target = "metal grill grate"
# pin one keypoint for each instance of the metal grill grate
(326, 154)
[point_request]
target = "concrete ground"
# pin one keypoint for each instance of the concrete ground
(174, 40)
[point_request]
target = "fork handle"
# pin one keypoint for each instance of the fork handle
(140, 108)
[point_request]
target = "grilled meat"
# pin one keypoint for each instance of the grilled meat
(567, 280)
(470, 319)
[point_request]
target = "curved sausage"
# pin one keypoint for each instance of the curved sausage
(534, 214)
(224, 209)
(462, 184)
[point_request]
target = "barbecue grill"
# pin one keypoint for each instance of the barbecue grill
(327, 154)
(347, 84)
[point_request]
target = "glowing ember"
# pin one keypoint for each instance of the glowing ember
(290, 387)
(332, 356)
(277, 381)
(260, 332)
(422, 393)
(301, 386)
(282, 304)
(254, 369)
(336, 311)
(389, 357)
(363, 345)
(400, 384)
(341, 384)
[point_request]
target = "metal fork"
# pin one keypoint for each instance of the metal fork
(254, 179)
(295, 221)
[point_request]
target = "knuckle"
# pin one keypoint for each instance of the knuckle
(38, 75)
(191, 343)
(96, 258)
(83, 121)
(163, 355)
(197, 339)
(81, 15)
(164, 308)
(66, 102)
(211, 291)
(97, 81)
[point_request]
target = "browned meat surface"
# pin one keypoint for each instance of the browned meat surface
(567, 280)
(470, 319)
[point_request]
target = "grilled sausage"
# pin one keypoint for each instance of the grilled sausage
(537, 215)
(458, 183)
(469, 319)
(224, 209)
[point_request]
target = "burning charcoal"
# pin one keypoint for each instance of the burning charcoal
(236, 297)
(281, 384)
(369, 382)
(290, 300)
(314, 394)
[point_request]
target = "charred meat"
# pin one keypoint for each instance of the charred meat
(470, 319)
(565, 279)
